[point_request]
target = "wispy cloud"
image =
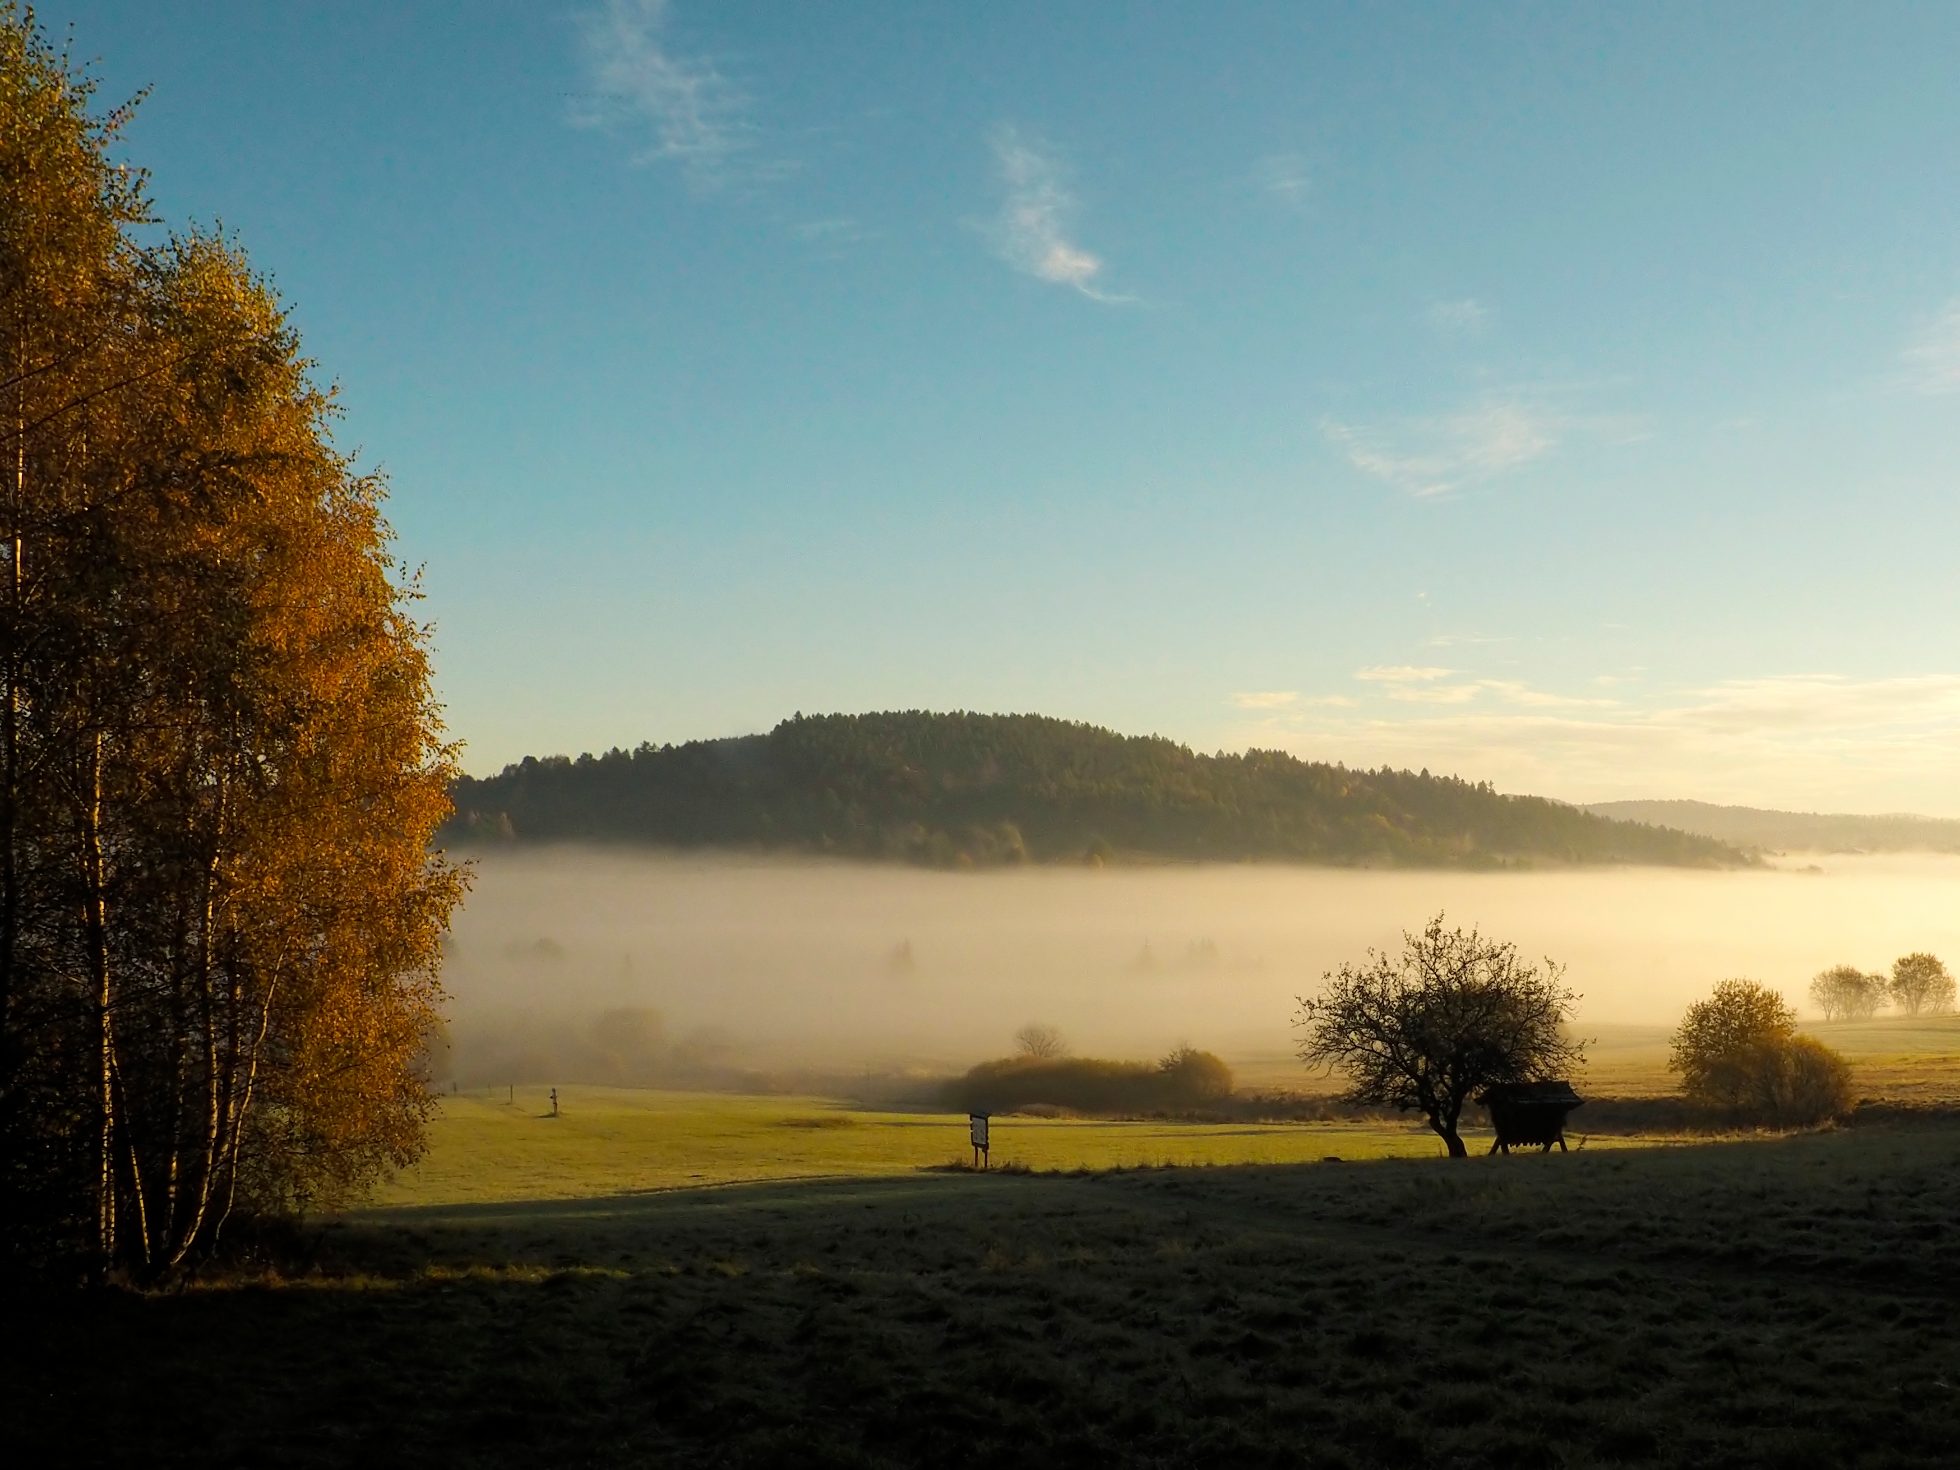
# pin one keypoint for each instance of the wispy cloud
(1400, 674)
(1814, 742)
(1267, 698)
(836, 234)
(1032, 232)
(1428, 684)
(1432, 457)
(1513, 692)
(1823, 702)
(1506, 691)
(1283, 177)
(1933, 360)
(1468, 316)
(1432, 693)
(682, 108)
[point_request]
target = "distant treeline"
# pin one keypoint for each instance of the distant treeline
(957, 790)
(1747, 826)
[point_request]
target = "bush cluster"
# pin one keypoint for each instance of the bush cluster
(1739, 1055)
(1187, 1078)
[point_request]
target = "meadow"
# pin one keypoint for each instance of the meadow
(671, 1278)
(500, 1145)
(1767, 1302)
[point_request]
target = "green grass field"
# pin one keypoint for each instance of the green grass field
(620, 1140)
(1786, 1302)
(655, 1279)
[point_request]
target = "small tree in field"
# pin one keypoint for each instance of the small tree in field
(1721, 1041)
(1037, 1040)
(1847, 993)
(1921, 985)
(1425, 1030)
(1739, 1052)
(1194, 1077)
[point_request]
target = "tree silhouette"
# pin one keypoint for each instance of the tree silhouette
(1426, 1029)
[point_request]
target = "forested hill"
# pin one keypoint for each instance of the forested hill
(952, 790)
(1749, 826)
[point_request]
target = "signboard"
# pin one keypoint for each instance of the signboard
(976, 1127)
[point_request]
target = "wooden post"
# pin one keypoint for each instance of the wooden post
(554, 1102)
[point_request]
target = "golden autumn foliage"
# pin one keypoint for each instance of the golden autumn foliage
(220, 760)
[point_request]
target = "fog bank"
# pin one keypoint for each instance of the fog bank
(844, 966)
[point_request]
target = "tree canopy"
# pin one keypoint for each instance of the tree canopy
(962, 789)
(1428, 1029)
(1847, 993)
(220, 762)
(1921, 985)
(1739, 1054)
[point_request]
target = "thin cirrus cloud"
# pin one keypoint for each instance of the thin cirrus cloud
(1267, 698)
(1033, 230)
(834, 235)
(1432, 693)
(680, 108)
(1400, 674)
(1429, 458)
(1826, 702)
(1274, 702)
(1283, 178)
(1425, 684)
(1933, 360)
(1814, 742)
(1467, 316)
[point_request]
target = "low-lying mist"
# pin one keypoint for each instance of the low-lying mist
(637, 967)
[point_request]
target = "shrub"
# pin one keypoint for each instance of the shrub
(1184, 1079)
(1191, 1077)
(1738, 1052)
(1804, 1083)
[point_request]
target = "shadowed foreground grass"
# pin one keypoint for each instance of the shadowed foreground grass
(1785, 1302)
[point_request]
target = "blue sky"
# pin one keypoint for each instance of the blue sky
(1565, 396)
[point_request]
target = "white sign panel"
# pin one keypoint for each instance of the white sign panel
(976, 1124)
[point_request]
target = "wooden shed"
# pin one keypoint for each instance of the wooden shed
(1529, 1114)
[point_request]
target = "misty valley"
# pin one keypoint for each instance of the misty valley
(1157, 735)
(596, 965)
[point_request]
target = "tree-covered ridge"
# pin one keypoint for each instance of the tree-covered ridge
(984, 790)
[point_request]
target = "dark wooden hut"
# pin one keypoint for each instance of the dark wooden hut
(1527, 1114)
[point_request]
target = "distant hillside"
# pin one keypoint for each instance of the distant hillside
(1748, 826)
(954, 790)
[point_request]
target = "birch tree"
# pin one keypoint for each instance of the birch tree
(220, 759)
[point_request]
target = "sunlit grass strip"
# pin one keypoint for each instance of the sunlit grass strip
(609, 1141)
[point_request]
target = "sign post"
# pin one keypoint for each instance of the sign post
(976, 1130)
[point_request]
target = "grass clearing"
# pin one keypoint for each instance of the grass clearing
(684, 1279)
(1779, 1302)
(619, 1140)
